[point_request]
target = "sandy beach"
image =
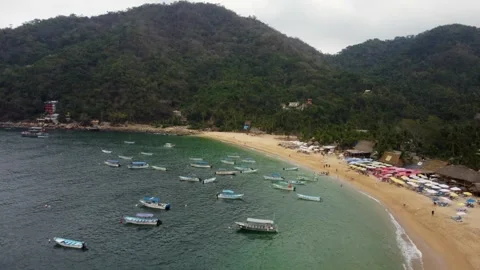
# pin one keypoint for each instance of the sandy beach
(444, 243)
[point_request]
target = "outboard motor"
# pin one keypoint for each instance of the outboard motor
(84, 247)
(159, 222)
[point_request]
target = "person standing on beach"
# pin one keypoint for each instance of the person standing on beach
(433, 212)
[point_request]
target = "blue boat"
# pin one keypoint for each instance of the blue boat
(138, 165)
(229, 194)
(154, 202)
(70, 243)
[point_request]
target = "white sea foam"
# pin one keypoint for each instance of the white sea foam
(409, 250)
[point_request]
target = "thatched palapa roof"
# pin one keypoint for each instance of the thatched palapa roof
(459, 172)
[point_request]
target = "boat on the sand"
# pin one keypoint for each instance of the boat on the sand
(70, 243)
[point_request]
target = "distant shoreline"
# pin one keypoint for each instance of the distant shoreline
(441, 241)
(140, 128)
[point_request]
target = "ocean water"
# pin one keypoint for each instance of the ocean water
(87, 200)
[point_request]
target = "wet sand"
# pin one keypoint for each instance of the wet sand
(444, 243)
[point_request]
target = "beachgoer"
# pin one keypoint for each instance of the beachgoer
(433, 212)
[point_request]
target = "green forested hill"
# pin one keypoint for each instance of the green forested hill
(221, 69)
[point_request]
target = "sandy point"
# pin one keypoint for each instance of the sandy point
(444, 243)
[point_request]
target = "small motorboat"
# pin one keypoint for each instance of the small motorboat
(169, 145)
(125, 157)
(248, 160)
(196, 159)
(35, 132)
(291, 169)
(309, 198)
(209, 180)
(106, 151)
(138, 165)
(70, 243)
(154, 202)
(304, 178)
(146, 154)
(112, 163)
(234, 156)
(250, 171)
(159, 168)
(225, 172)
(274, 177)
(258, 225)
(288, 187)
(189, 178)
(296, 182)
(129, 142)
(227, 161)
(142, 219)
(242, 168)
(229, 195)
(201, 164)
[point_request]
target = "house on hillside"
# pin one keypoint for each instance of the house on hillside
(392, 158)
(361, 149)
(461, 176)
(295, 105)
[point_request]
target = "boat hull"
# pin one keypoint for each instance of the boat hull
(69, 243)
(125, 157)
(116, 165)
(161, 206)
(226, 172)
(146, 154)
(142, 221)
(133, 167)
(227, 162)
(255, 228)
(249, 171)
(209, 180)
(158, 168)
(230, 196)
(189, 179)
(201, 166)
(309, 198)
(284, 187)
(274, 178)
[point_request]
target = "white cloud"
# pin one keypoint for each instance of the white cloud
(328, 25)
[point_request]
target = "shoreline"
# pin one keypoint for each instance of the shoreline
(138, 128)
(434, 236)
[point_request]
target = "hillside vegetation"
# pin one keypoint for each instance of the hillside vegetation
(221, 69)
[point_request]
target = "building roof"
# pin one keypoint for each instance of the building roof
(392, 158)
(459, 172)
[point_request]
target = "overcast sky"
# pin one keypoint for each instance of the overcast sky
(328, 25)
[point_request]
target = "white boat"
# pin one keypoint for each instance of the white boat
(209, 180)
(154, 202)
(146, 154)
(125, 157)
(229, 195)
(189, 178)
(233, 156)
(291, 169)
(225, 172)
(309, 198)
(159, 168)
(304, 178)
(35, 132)
(229, 162)
(289, 187)
(112, 163)
(248, 160)
(296, 182)
(70, 243)
(141, 220)
(258, 225)
(129, 142)
(274, 177)
(138, 165)
(169, 145)
(106, 151)
(196, 159)
(250, 171)
(242, 168)
(201, 165)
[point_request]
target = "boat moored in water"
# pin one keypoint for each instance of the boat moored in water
(248, 160)
(274, 177)
(309, 198)
(234, 155)
(70, 243)
(154, 202)
(189, 178)
(196, 159)
(227, 161)
(291, 169)
(169, 145)
(146, 153)
(229, 195)
(288, 187)
(296, 182)
(125, 157)
(129, 142)
(35, 132)
(225, 172)
(209, 180)
(201, 164)
(250, 171)
(258, 225)
(142, 219)
(138, 165)
(159, 168)
(106, 151)
(112, 163)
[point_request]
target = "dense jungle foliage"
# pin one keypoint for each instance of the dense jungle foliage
(220, 69)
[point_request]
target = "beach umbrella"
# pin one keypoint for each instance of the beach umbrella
(445, 199)
(443, 186)
(444, 190)
(455, 189)
(423, 176)
(435, 187)
(461, 213)
(460, 204)
(453, 194)
(467, 193)
(431, 191)
(471, 201)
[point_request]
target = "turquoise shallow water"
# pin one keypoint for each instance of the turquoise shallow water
(346, 231)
